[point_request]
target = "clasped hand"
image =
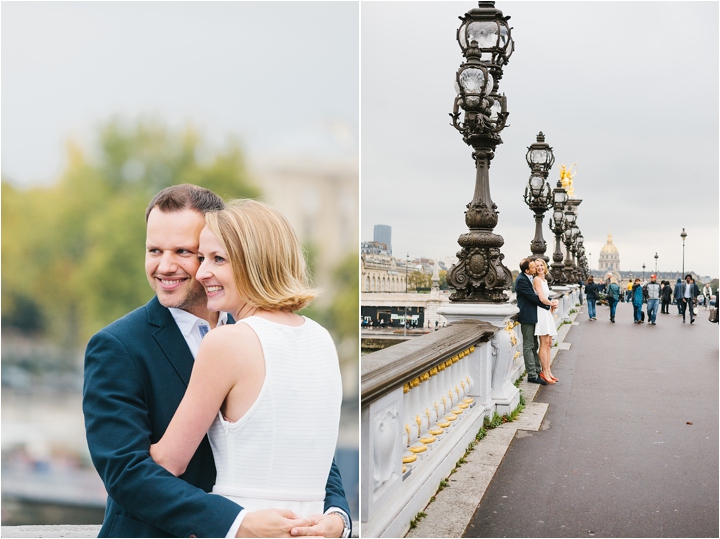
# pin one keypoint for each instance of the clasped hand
(285, 523)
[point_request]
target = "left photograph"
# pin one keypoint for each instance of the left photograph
(180, 288)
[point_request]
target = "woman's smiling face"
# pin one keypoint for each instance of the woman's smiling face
(216, 275)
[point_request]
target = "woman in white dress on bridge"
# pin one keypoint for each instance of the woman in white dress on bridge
(545, 328)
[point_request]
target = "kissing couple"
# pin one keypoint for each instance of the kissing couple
(213, 410)
(536, 319)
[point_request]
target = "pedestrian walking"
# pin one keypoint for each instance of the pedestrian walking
(628, 292)
(678, 294)
(707, 292)
(652, 296)
(612, 295)
(689, 294)
(666, 297)
(637, 301)
(591, 294)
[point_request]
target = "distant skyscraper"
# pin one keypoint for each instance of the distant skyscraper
(383, 234)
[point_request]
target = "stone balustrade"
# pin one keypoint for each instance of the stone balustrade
(424, 401)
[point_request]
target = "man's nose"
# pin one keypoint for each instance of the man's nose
(167, 263)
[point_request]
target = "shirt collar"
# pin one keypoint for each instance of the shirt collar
(186, 321)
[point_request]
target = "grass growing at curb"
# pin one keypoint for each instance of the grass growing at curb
(572, 311)
(418, 518)
(488, 423)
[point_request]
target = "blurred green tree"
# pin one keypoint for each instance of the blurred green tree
(73, 252)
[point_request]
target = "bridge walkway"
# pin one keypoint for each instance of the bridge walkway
(628, 446)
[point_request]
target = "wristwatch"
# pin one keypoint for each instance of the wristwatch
(346, 522)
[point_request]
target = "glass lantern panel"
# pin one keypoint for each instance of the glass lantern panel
(539, 157)
(560, 197)
(490, 82)
(504, 35)
(485, 33)
(461, 36)
(495, 109)
(536, 183)
(558, 216)
(472, 80)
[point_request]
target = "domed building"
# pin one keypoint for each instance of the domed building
(609, 260)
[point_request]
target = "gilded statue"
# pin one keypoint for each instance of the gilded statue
(566, 178)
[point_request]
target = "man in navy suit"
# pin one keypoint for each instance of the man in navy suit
(136, 372)
(528, 302)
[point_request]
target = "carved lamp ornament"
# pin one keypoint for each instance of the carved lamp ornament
(480, 114)
(538, 195)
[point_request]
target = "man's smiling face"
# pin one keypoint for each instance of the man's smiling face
(171, 259)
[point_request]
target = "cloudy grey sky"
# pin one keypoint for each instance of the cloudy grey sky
(628, 90)
(281, 76)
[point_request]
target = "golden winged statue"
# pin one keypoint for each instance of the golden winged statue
(566, 178)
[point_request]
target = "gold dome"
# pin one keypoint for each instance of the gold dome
(609, 248)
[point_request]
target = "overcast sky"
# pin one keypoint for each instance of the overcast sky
(628, 90)
(281, 76)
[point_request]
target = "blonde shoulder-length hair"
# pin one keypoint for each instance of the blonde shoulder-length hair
(265, 255)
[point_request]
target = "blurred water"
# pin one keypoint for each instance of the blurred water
(47, 475)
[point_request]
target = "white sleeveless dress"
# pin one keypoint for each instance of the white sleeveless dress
(280, 452)
(546, 322)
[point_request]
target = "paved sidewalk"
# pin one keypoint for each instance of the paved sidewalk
(629, 445)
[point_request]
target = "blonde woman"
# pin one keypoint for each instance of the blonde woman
(545, 328)
(267, 389)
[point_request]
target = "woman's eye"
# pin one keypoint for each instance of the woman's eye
(219, 260)
(201, 259)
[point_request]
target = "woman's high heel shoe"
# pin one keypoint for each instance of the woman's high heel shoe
(551, 376)
(547, 379)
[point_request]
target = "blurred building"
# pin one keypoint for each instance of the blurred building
(609, 260)
(383, 234)
(380, 272)
(320, 198)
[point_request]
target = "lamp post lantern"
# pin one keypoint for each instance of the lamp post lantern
(656, 257)
(538, 195)
(683, 235)
(479, 114)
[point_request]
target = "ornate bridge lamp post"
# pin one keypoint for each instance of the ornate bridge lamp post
(557, 227)
(568, 238)
(576, 248)
(479, 114)
(538, 195)
(683, 235)
(656, 257)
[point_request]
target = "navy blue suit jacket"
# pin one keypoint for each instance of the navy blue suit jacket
(136, 372)
(527, 300)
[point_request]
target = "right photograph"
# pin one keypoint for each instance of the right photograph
(539, 192)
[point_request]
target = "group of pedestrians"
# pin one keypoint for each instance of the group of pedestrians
(655, 294)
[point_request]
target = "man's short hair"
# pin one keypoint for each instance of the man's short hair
(688, 275)
(185, 197)
(525, 264)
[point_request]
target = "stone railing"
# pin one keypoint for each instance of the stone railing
(424, 401)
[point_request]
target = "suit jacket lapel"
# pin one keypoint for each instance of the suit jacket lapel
(170, 339)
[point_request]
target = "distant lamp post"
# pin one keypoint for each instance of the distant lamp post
(643, 272)
(538, 195)
(557, 226)
(683, 235)
(568, 238)
(407, 263)
(656, 257)
(479, 114)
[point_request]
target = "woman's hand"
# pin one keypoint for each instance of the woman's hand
(272, 523)
(331, 525)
